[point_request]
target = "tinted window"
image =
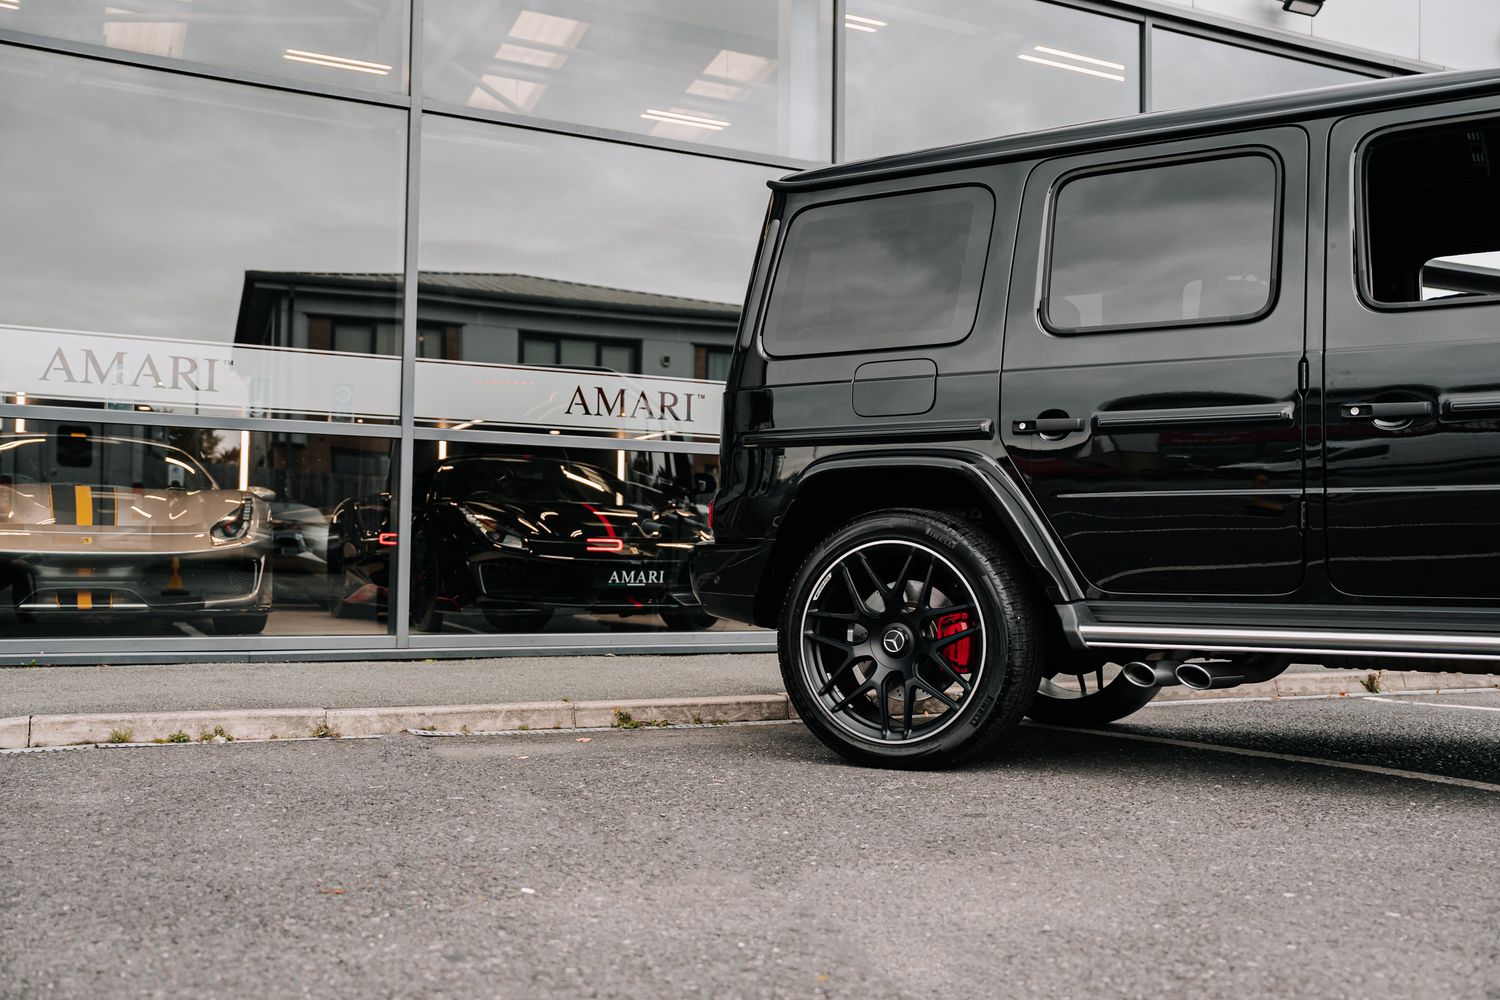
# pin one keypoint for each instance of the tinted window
(1430, 200)
(881, 273)
(1177, 243)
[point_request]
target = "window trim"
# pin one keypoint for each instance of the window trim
(1049, 234)
(1359, 190)
(787, 230)
(598, 343)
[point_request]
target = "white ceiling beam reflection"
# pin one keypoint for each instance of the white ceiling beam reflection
(678, 118)
(855, 22)
(1073, 67)
(336, 62)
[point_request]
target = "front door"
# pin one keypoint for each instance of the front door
(1151, 395)
(1412, 410)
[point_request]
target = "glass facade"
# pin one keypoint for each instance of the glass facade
(306, 351)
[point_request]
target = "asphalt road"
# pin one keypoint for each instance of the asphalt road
(747, 862)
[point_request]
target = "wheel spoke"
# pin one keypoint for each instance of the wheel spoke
(954, 675)
(898, 589)
(926, 595)
(1099, 677)
(839, 644)
(1083, 683)
(939, 695)
(883, 699)
(835, 674)
(947, 609)
(950, 639)
(908, 699)
(860, 607)
(838, 616)
(858, 693)
(880, 587)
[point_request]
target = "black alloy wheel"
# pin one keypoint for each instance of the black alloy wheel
(425, 582)
(1087, 694)
(910, 638)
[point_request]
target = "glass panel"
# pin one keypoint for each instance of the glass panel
(1430, 196)
(921, 73)
(183, 245)
(345, 43)
(610, 255)
(881, 273)
(509, 539)
(1188, 71)
(1186, 242)
(1461, 34)
(751, 75)
(117, 529)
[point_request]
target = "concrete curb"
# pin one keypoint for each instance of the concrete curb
(24, 731)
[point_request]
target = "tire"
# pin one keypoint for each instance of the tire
(518, 621)
(842, 665)
(687, 619)
(241, 624)
(426, 586)
(1061, 704)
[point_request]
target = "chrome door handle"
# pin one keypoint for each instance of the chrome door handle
(1047, 425)
(1385, 411)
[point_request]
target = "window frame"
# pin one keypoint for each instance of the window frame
(1363, 277)
(598, 344)
(787, 230)
(1278, 226)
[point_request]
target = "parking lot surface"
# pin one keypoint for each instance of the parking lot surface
(748, 862)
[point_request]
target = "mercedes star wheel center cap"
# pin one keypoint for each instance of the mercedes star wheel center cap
(895, 640)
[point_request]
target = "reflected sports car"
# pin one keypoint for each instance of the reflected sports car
(516, 537)
(102, 525)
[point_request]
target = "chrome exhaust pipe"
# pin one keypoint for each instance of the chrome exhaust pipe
(1233, 673)
(1158, 673)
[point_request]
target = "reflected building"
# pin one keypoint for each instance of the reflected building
(215, 242)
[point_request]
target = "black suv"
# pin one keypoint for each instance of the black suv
(1037, 425)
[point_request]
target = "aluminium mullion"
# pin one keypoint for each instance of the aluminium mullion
(836, 96)
(204, 71)
(398, 593)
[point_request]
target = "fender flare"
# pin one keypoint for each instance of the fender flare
(1007, 500)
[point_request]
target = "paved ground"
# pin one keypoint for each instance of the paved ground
(190, 686)
(746, 862)
(170, 687)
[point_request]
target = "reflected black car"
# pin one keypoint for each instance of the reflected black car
(517, 537)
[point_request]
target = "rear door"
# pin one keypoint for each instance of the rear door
(1412, 413)
(1154, 356)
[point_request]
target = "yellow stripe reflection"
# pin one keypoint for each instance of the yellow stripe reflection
(83, 500)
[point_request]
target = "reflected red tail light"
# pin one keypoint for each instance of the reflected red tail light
(387, 538)
(710, 517)
(603, 544)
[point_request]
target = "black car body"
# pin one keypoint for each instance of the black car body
(1206, 390)
(520, 536)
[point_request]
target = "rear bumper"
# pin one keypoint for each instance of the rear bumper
(727, 577)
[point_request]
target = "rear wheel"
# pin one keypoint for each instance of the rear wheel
(1087, 695)
(687, 619)
(909, 638)
(242, 624)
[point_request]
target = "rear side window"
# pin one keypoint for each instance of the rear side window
(1430, 197)
(1170, 244)
(894, 272)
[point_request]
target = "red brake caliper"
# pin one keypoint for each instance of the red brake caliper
(956, 653)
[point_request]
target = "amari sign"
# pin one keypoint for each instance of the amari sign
(562, 398)
(178, 376)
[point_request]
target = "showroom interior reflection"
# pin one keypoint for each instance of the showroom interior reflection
(750, 76)
(508, 538)
(120, 529)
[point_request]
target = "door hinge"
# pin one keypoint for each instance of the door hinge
(1304, 376)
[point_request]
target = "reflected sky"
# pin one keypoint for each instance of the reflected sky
(925, 73)
(1178, 242)
(511, 201)
(135, 202)
(1187, 72)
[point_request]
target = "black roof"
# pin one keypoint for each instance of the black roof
(1348, 98)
